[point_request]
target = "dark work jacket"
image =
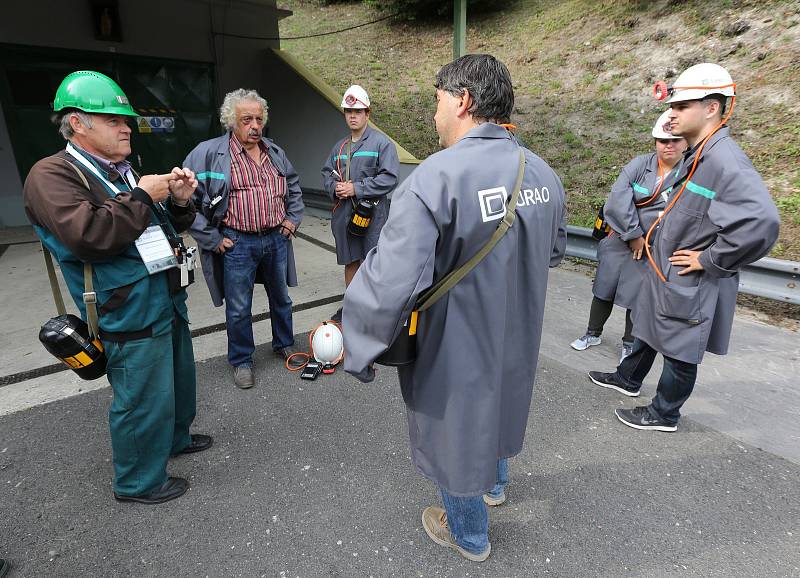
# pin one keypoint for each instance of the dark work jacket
(79, 225)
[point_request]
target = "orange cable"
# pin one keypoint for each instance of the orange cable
(680, 192)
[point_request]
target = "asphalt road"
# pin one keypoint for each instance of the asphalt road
(314, 479)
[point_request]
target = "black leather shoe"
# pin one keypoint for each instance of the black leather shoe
(4, 566)
(169, 490)
(199, 443)
(284, 352)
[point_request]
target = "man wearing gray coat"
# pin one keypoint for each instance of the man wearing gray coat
(468, 393)
(719, 217)
(249, 203)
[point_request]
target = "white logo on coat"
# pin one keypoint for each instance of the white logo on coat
(493, 201)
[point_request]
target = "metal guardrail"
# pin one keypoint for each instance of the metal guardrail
(771, 278)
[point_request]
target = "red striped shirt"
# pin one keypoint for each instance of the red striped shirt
(256, 199)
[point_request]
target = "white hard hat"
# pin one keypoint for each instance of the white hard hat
(701, 80)
(662, 127)
(327, 344)
(355, 97)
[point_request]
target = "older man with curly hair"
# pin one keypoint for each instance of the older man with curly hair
(249, 204)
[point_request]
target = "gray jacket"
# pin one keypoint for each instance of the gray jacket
(619, 275)
(373, 170)
(727, 213)
(468, 393)
(211, 160)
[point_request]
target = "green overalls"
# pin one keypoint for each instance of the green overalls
(151, 369)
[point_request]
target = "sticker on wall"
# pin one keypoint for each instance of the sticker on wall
(151, 124)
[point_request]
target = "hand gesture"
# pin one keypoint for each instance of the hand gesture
(182, 184)
(345, 189)
(157, 186)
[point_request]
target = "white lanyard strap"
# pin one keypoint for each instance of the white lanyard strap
(85, 162)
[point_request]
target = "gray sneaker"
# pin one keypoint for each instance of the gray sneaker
(585, 342)
(243, 377)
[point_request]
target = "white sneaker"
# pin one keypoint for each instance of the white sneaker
(585, 342)
(494, 500)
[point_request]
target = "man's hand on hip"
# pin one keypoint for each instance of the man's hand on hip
(287, 228)
(224, 245)
(686, 258)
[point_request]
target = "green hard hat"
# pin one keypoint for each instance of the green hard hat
(92, 92)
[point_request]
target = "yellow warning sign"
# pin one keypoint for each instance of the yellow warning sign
(144, 126)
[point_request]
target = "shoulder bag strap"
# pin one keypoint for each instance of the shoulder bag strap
(449, 281)
(51, 273)
(89, 295)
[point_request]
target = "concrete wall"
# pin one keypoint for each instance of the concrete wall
(306, 119)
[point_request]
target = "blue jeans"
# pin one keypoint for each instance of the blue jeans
(266, 254)
(468, 517)
(674, 386)
(502, 479)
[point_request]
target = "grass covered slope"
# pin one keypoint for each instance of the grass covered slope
(583, 74)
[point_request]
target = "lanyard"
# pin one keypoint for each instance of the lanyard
(128, 176)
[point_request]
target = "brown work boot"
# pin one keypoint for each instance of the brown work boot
(434, 520)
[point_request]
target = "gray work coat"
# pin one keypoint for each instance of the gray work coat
(619, 275)
(373, 169)
(468, 393)
(211, 160)
(727, 213)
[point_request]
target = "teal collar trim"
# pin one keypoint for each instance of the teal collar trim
(702, 191)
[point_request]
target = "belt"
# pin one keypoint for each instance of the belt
(261, 233)
(123, 336)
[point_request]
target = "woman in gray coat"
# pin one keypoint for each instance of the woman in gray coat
(635, 201)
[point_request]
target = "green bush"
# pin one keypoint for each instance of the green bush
(414, 9)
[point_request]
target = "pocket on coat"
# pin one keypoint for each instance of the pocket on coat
(683, 225)
(679, 302)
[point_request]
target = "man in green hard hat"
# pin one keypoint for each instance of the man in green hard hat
(89, 207)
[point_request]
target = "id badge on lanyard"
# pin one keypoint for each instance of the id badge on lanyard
(153, 246)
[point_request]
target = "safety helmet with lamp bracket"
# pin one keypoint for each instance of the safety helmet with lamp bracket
(661, 130)
(92, 92)
(695, 83)
(355, 97)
